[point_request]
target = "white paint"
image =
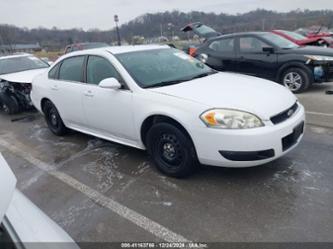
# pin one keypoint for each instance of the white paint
(123, 211)
(118, 115)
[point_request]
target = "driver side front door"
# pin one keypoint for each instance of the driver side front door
(252, 60)
(109, 112)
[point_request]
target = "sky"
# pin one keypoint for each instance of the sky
(88, 14)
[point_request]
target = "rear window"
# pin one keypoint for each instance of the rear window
(71, 69)
(223, 45)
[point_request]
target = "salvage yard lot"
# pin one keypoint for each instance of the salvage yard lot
(101, 191)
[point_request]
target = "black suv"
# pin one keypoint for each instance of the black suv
(267, 55)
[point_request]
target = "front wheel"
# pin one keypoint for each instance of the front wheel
(53, 119)
(296, 80)
(172, 151)
(9, 103)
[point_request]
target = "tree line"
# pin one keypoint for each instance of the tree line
(168, 24)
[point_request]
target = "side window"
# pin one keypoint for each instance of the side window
(224, 45)
(251, 45)
(71, 69)
(99, 69)
(53, 73)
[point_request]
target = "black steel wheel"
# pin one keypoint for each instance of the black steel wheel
(172, 150)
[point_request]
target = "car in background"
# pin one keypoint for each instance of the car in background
(270, 56)
(203, 32)
(83, 46)
(16, 74)
(323, 41)
(161, 99)
(22, 224)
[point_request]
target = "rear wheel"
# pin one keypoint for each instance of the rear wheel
(9, 103)
(53, 119)
(296, 79)
(172, 150)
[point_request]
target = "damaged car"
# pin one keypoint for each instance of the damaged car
(16, 74)
(322, 41)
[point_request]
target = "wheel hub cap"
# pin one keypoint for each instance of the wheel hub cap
(5, 108)
(169, 151)
(54, 119)
(293, 81)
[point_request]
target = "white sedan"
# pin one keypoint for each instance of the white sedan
(160, 99)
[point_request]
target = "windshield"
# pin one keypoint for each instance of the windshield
(162, 67)
(294, 35)
(18, 64)
(279, 41)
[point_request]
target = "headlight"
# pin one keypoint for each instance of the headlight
(319, 57)
(230, 119)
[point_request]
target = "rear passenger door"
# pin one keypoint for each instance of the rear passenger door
(66, 90)
(221, 54)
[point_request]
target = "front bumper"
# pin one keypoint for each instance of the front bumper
(218, 147)
(325, 72)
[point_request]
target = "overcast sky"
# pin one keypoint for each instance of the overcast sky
(88, 14)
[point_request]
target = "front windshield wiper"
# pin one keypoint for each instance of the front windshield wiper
(203, 75)
(173, 82)
(165, 83)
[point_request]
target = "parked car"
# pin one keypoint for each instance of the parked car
(16, 74)
(202, 31)
(84, 45)
(301, 40)
(269, 56)
(161, 99)
(22, 224)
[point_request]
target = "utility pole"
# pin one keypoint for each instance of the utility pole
(116, 20)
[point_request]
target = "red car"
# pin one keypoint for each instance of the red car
(305, 41)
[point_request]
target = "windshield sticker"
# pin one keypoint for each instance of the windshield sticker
(183, 56)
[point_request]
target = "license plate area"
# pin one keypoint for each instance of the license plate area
(291, 139)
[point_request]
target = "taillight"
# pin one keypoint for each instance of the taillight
(192, 51)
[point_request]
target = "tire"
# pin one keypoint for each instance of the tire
(53, 119)
(296, 79)
(9, 104)
(171, 150)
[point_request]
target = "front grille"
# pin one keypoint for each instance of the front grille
(279, 118)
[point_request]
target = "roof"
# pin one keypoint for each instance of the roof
(116, 49)
(241, 33)
(126, 49)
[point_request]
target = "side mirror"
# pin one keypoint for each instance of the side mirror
(110, 83)
(269, 50)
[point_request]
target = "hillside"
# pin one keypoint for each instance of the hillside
(169, 24)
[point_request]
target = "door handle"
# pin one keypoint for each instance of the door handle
(89, 94)
(55, 88)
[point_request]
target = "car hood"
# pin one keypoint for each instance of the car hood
(22, 77)
(314, 39)
(234, 91)
(311, 50)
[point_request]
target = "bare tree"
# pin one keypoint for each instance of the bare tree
(7, 37)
